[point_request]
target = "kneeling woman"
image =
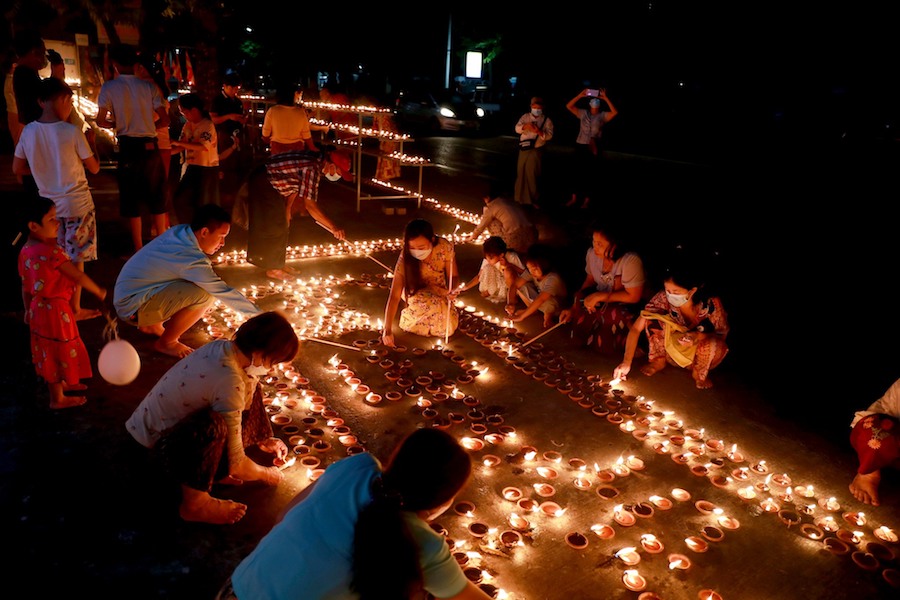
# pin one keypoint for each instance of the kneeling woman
(685, 327)
(424, 269)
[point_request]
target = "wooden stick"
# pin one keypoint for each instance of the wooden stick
(310, 339)
(543, 333)
(389, 270)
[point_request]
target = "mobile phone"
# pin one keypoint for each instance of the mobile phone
(593, 93)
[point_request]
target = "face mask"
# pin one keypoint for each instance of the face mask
(420, 254)
(536, 112)
(256, 370)
(677, 300)
(595, 103)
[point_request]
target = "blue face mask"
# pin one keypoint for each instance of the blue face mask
(536, 112)
(595, 103)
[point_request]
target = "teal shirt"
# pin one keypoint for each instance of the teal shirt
(309, 553)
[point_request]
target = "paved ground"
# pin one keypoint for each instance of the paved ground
(85, 512)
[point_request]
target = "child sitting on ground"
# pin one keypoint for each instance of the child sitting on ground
(498, 272)
(48, 281)
(551, 289)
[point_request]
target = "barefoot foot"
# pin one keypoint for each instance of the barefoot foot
(207, 509)
(279, 274)
(156, 329)
(864, 487)
(176, 349)
(67, 402)
(703, 384)
(654, 367)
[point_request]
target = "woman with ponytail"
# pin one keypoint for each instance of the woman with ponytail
(361, 531)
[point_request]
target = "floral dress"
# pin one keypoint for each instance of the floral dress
(711, 318)
(426, 311)
(58, 353)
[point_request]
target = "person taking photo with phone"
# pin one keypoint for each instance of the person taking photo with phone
(588, 154)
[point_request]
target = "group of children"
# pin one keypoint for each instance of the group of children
(61, 225)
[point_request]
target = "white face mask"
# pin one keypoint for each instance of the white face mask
(420, 254)
(536, 112)
(256, 370)
(677, 300)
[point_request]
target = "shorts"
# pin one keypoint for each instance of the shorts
(141, 177)
(78, 237)
(167, 301)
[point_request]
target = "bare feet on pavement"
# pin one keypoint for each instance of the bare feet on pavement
(206, 509)
(864, 487)
(652, 368)
(156, 329)
(67, 402)
(176, 349)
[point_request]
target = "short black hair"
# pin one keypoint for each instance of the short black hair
(27, 41)
(124, 55)
(211, 216)
(51, 88)
(231, 79)
(191, 100)
(494, 246)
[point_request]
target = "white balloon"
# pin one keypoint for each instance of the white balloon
(119, 363)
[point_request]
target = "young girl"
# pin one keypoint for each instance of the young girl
(199, 183)
(48, 281)
(551, 289)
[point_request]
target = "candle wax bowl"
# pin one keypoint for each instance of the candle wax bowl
(576, 540)
(604, 532)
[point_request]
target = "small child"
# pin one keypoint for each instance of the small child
(48, 281)
(551, 289)
(56, 154)
(499, 271)
(199, 183)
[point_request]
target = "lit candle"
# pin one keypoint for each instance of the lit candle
(603, 531)
(623, 518)
(696, 544)
(651, 544)
(885, 534)
(747, 493)
(734, 455)
(629, 556)
(633, 580)
(518, 522)
(661, 503)
(679, 562)
(709, 595)
(858, 519)
(829, 503)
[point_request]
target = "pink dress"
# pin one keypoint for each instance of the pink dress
(58, 353)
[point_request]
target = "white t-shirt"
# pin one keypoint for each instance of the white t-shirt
(628, 266)
(55, 152)
(203, 132)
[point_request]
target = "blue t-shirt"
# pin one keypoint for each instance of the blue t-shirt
(309, 554)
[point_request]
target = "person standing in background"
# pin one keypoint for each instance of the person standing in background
(131, 106)
(535, 129)
(12, 113)
(150, 69)
(199, 183)
(31, 56)
(587, 145)
(229, 117)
